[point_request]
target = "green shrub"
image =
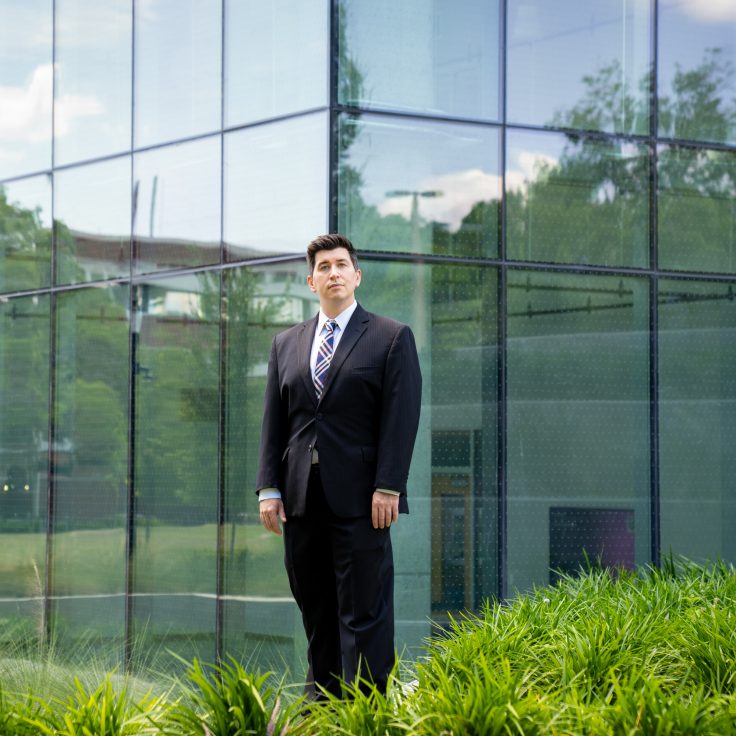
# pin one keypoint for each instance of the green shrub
(226, 700)
(622, 653)
(100, 712)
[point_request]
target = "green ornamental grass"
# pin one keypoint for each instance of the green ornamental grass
(651, 652)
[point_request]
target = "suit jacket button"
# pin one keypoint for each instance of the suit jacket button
(319, 416)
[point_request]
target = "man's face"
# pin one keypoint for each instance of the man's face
(334, 279)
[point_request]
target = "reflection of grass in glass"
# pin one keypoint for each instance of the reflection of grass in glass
(20, 553)
(173, 559)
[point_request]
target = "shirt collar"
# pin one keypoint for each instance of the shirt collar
(342, 319)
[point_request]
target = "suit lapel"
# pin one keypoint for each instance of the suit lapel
(353, 332)
(306, 338)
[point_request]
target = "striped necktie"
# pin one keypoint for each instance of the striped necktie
(324, 356)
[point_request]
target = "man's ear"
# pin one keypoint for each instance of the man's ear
(310, 283)
(359, 275)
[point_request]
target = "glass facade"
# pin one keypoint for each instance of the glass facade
(545, 194)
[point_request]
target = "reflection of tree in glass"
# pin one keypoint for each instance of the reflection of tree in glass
(698, 110)
(591, 205)
(25, 247)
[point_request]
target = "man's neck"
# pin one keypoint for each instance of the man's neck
(335, 310)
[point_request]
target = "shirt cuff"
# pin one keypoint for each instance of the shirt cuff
(386, 490)
(265, 494)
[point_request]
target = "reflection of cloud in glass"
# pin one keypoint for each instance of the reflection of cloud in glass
(27, 110)
(459, 192)
(529, 164)
(712, 11)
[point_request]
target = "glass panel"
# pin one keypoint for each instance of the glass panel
(276, 58)
(92, 211)
(178, 48)
(91, 488)
(24, 450)
(697, 419)
(259, 612)
(550, 43)
(176, 363)
(442, 562)
(276, 187)
(176, 206)
(418, 186)
(25, 234)
(695, 74)
(696, 209)
(441, 58)
(93, 78)
(578, 424)
(576, 200)
(26, 86)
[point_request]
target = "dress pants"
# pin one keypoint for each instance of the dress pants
(341, 574)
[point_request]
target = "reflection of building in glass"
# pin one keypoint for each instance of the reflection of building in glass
(550, 210)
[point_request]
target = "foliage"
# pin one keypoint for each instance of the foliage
(607, 652)
(225, 700)
(100, 712)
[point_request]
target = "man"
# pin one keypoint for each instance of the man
(341, 412)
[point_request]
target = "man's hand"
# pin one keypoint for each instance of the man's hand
(272, 511)
(384, 509)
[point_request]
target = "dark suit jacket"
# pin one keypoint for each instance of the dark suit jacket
(364, 426)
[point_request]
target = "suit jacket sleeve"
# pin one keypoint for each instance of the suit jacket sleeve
(272, 429)
(401, 402)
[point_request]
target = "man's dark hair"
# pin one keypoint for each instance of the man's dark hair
(330, 242)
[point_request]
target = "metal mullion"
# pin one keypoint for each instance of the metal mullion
(372, 255)
(654, 476)
(130, 527)
(50, 478)
(47, 623)
(334, 121)
(501, 322)
(220, 511)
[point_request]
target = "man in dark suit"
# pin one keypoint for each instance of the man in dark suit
(341, 412)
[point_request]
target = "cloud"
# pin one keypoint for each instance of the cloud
(460, 191)
(709, 11)
(526, 168)
(26, 110)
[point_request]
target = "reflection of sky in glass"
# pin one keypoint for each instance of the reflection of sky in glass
(93, 63)
(177, 197)
(177, 78)
(94, 203)
(276, 186)
(440, 58)
(688, 29)
(458, 160)
(553, 46)
(34, 194)
(276, 58)
(26, 78)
